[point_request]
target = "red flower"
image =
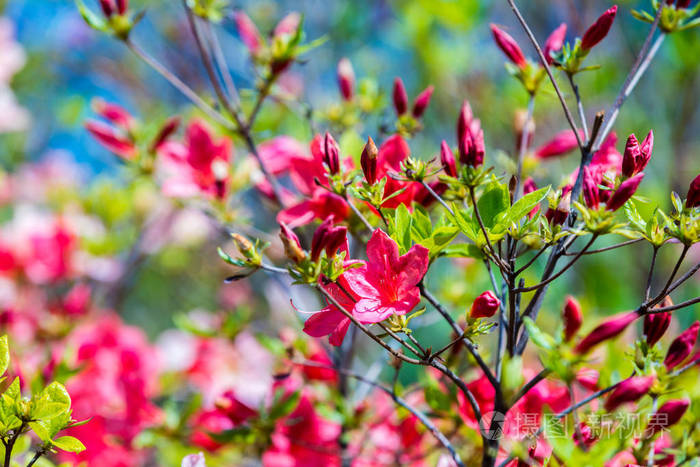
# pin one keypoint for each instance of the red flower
(682, 345)
(448, 159)
(346, 79)
(606, 330)
(572, 318)
(636, 157)
(388, 284)
(628, 390)
(624, 192)
(330, 321)
(554, 42)
(562, 143)
(598, 30)
(249, 32)
(509, 47)
(400, 97)
(668, 414)
(112, 138)
(422, 101)
(485, 305)
(693, 197)
(199, 165)
(655, 325)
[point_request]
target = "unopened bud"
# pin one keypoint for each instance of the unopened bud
(628, 390)
(400, 97)
(607, 330)
(598, 30)
(572, 318)
(624, 192)
(447, 158)
(682, 346)
(509, 47)
(245, 247)
(108, 7)
(693, 197)
(346, 79)
(331, 154)
(368, 160)
(485, 305)
(422, 101)
(292, 246)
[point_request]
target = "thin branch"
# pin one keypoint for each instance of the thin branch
(470, 346)
(601, 250)
(437, 197)
(561, 271)
(640, 66)
(221, 63)
(543, 60)
(650, 276)
(496, 258)
(179, 85)
(529, 385)
(579, 105)
(677, 306)
(532, 260)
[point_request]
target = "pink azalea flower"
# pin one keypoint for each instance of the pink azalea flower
(199, 165)
(388, 284)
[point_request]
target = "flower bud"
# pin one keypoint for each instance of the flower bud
(114, 113)
(655, 325)
(169, 128)
(463, 121)
(368, 160)
(588, 378)
(668, 414)
(572, 318)
(624, 192)
(473, 148)
(400, 97)
(292, 246)
(607, 330)
(245, 247)
(558, 215)
(554, 42)
(287, 25)
(111, 139)
(346, 79)
(422, 101)
(529, 186)
(692, 200)
(682, 345)
(485, 305)
(122, 6)
(628, 390)
(636, 157)
(331, 155)
(509, 47)
(248, 32)
(522, 122)
(108, 7)
(562, 143)
(327, 237)
(598, 30)
(591, 192)
(447, 159)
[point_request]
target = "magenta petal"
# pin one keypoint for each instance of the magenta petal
(323, 322)
(369, 310)
(338, 334)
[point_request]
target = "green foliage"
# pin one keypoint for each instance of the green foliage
(46, 413)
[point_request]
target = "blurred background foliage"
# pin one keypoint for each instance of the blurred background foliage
(446, 43)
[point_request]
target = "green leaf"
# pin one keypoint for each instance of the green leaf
(92, 19)
(402, 228)
(284, 406)
(41, 429)
(4, 355)
(541, 340)
(462, 250)
(69, 443)
(525, 204)
(437, 399)
(494, 201)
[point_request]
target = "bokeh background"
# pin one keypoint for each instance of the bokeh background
(446, 43)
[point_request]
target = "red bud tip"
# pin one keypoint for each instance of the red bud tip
(400, 97)
(668, 414)
(591, 192)
(292, 246)
(624, 192)
(485, 305)
(422, 101)
(346, 79)
(122, 6)
(108, 7)
(287, 25)
(607, 330)
(447, 158)
(572, 318)
(655, 325)
(636, 156)
(628, 390)
(368, 160)
(331, 154)
(598, 30)
(693, 198)
(554, 42)
(509, 47)
(682, 345)
(328, 237)
(169, 128)
(248, 32)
